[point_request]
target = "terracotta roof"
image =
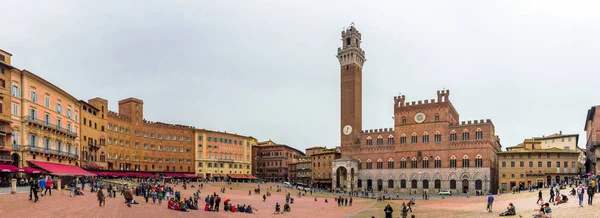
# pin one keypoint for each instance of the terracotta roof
(549, 150)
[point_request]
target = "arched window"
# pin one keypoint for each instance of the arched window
(437, 137)
(403, 139)
(379, 140)
(403, 163)
(478, 134)
(390, 163)
(465, 161)
(379, 163)
(425, 137)
(425, 184)
(369, 141)
(479, 161)
(391, 183)
(438, 184)
(465, 135)
(438, 162)
(359, 183)
(390, 139)
(413, 183)
(369, 164)
(453, 162)
(414, 163)
(414, 138)
(403, 120)
(437, 117)
(102, 157)
(478, 184)
(403, 183)
(425, 163)
(453, 136)
(452, 184)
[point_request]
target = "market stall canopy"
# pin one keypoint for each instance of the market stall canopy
(62, 169)
(31, 170)
(8, 168)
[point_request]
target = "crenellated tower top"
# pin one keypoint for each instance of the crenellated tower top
(350, 52)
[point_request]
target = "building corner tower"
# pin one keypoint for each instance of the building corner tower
(351, 58)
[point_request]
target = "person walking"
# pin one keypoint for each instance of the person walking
(42, 184)
(264, 197)
(48, 186)
(350, 201)
(31, 187)
(551, 195)
(539, 197)
(34, 189)
(490, 202)
(146, 195)
(591, 191)
(580, 192)
(388, 211)
(100, 196)
(404, 210)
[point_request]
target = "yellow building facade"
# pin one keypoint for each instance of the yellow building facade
(529, 164)
(221, 153)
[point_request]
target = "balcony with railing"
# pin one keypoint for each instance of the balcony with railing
(33, 148)
(49, 125)
(5, 158)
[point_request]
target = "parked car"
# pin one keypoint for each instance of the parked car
(307, 189)
(300, 188)
(286, 184)
(445, 192)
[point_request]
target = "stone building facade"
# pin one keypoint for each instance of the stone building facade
(93, 115)
(220, 153)
(6, 70)
(322, 162)
(592, 140)
(530, 164)
(271, 161)
(428, 149)
(135, 144)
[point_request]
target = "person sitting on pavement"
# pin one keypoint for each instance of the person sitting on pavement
(286, 208)
(510, 210)
(277, 208)
(207, 207)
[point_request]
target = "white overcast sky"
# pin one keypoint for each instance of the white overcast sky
(268, 68)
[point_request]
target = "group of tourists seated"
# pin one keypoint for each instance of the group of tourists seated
(237, 208)
(180, 206)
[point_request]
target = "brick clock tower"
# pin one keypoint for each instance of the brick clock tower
(351, 58)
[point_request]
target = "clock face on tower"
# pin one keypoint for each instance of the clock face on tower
(419, 117)
(347, 130)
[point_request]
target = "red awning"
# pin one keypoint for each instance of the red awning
(251, 177)
(190, 176)
(62, 169)
(31, 170)
(8, 168)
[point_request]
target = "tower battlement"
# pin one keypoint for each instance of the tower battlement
(442, 97)
(380, 130)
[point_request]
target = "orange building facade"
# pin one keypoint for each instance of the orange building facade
(45, 122)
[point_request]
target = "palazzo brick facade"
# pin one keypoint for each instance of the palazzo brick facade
(271, 161)
(428, 149)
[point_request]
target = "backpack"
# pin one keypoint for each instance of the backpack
(579, 191)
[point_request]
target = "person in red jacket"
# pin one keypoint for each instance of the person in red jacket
(170, 204)
(48, 186)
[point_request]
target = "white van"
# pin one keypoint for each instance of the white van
(286, 184)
